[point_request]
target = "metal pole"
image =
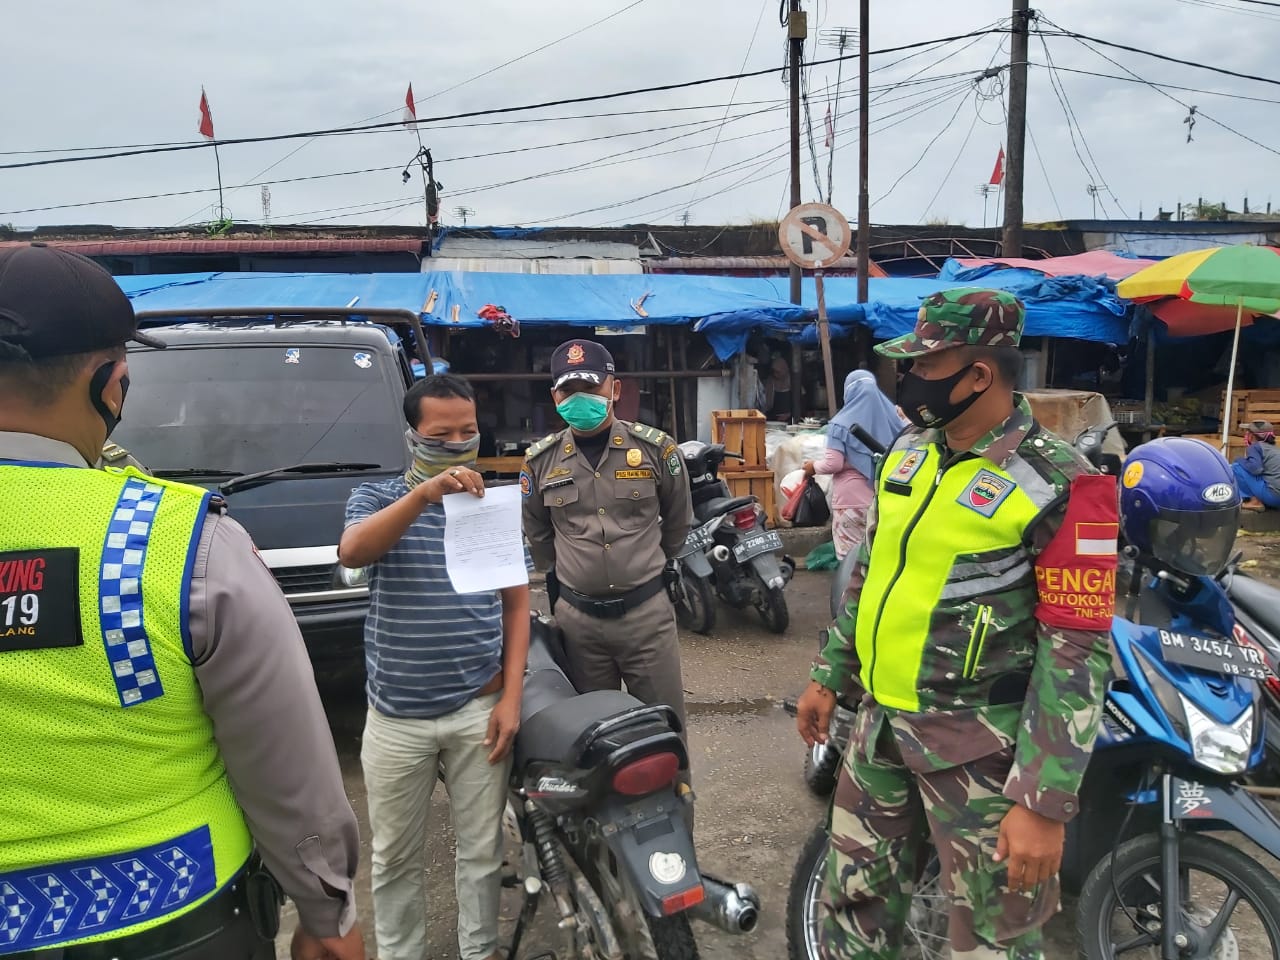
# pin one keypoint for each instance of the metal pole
(797, 28)
(1015, 156)
(864, 138)
(824, 336)
(222, 209)
(1149, 396)
(1231, 376)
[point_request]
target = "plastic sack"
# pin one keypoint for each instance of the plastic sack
(811, 507)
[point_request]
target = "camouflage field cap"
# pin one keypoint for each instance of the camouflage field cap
(968, 316)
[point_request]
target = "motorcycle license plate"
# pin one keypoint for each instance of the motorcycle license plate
(1215, 654)
(698, 539)
(756, 544)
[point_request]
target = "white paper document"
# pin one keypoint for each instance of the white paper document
(483, 547)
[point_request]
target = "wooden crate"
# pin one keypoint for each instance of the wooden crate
(1249, 405)
(1235, 445)
(742, 432)
(758, 484)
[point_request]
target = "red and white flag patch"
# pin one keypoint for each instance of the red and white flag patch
(1097, 539)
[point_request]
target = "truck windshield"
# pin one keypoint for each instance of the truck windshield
(236, 410)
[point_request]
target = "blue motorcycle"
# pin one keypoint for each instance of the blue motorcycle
(1183, 723)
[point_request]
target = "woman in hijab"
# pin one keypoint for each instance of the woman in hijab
(849, 461)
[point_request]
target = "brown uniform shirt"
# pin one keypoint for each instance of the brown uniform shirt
(608, 527)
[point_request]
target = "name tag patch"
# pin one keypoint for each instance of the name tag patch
(986, 492)
(644, 474)
(40, 599)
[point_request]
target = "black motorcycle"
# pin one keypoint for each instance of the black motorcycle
(602, 821)
(730, 532)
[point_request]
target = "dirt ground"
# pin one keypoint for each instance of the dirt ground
(753, 810)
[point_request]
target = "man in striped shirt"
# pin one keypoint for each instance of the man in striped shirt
(445, 674)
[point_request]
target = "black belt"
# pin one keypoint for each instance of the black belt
(612, 608)
(231, 925)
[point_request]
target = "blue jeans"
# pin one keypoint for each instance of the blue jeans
(1256, 487)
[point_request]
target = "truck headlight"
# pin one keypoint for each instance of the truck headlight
(357, 577)
(1222, 747)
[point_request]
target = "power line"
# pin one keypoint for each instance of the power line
(1164, 93)
(1151, 83)
(703, 125)
(732, 95)
(493, 111)
(1073, 125)
(1160, 56)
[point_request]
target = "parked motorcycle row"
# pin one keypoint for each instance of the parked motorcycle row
(1191, 718)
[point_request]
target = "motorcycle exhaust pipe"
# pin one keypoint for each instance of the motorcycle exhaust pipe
(734, 908)
(720, 553)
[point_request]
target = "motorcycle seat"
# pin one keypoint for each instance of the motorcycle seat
(722, 505)
(1260, 601)
(553, 727)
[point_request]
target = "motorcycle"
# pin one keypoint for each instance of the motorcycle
(732, 538)
(1256, 606)
(596, 802)
(1182, 722)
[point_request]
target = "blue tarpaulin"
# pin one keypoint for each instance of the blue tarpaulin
(724, 309)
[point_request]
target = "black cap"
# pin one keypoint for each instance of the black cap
(580, 360)
(54, 304)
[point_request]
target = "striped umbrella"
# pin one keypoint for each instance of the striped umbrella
(1242, 278)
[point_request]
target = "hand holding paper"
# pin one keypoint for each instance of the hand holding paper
(483, 547)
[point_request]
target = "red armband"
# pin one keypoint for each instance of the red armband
(1076, 572)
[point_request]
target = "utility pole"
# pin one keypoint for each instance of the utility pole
(797, 33)
(864, 142)
(797, 30)
(1015, 156)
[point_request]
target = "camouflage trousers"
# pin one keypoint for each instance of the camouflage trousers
(882, 820)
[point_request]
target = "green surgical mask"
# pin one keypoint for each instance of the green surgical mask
(584, 412)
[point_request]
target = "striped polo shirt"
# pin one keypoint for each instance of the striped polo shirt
(428, 649)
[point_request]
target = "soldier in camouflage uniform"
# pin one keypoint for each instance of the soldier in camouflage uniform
(975, 634)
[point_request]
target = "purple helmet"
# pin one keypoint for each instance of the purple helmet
(1179, 504)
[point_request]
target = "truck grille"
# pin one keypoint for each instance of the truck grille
(304, 579)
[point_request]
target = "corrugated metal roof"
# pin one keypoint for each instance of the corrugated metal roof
(693, 264)
(224, 245)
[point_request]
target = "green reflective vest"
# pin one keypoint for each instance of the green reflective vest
(949, 599)
(115, 810)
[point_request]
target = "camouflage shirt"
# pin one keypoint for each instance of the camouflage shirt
(1047, 649)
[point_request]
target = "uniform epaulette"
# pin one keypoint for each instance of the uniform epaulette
(113, 452)
(651, 435)
(540, 447)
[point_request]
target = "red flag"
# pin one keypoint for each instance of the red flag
(831, 128)
(997, 175)
(206, 117)
(410, 113)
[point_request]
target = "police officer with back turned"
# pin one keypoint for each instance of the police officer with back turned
(164, 756)
(607, 503)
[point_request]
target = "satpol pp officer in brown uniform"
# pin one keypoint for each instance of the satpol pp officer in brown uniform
(606, 504)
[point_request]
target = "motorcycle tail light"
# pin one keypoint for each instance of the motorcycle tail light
(745, 518)
(1273, 685)
(680, 902)
(646, 776)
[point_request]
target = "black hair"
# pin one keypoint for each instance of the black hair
(41, 381)
(439, 386)
(1006, 362)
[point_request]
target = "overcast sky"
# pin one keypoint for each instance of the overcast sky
(84, 74)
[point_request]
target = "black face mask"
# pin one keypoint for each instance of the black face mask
(97, 385)
(927, 403)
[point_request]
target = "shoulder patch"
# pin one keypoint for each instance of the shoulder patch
(113, 452)
(540, 447)
(652, 436)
